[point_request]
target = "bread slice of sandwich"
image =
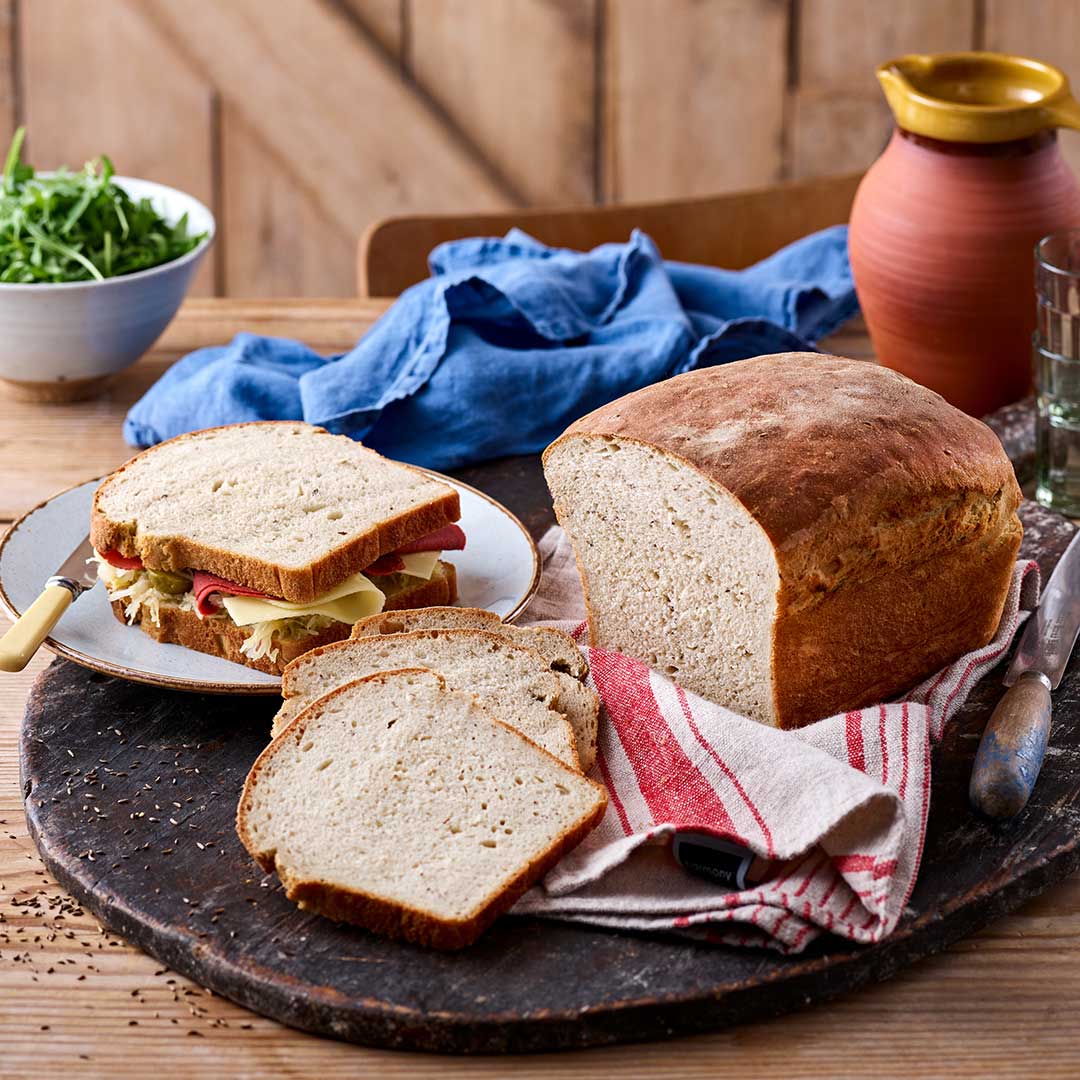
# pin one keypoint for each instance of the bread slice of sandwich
(257, 542)
(408, 808)
(552, 709)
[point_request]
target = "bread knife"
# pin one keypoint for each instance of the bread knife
(1013, 745)
(32, 627)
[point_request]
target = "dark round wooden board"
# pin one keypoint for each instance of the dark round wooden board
(131, 792)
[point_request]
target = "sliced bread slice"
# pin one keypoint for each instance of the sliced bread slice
(511, 681)
(282, 507)
(406, 808)
(578, 702)
(555, 646)
(219, 636)
(582, 708)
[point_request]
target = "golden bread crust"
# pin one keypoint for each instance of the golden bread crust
(869, 642)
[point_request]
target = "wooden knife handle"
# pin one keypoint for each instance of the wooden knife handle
(1012, 748)
(20, 643)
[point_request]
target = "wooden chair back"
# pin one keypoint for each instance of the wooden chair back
(731, 230)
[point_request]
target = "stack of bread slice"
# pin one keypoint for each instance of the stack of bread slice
(555, 646)
(554, 709)
(425, 773)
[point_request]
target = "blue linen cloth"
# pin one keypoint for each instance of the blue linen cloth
(507, 343)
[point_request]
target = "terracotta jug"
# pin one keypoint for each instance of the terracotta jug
(944, 223)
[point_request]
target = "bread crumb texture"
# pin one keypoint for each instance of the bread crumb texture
(678, 574)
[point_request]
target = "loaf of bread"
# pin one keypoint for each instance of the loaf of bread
(405, 807)
(790, 536)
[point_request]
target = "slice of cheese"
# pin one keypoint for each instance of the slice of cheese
(353, 583)
(352, 600)
(420, 564)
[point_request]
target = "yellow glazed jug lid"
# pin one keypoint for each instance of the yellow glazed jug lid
(977, 97)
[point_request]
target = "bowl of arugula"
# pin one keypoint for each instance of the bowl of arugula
(93, 266)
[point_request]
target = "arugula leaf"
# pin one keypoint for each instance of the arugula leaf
(79, 226)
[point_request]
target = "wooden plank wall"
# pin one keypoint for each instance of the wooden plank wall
(301, 121)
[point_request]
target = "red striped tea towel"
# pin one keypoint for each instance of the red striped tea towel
(837, 808)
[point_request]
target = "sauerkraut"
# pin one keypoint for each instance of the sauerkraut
(261, 635)
(140, 599)
(134, 589)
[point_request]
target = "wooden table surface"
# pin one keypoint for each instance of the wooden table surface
(77, 1001)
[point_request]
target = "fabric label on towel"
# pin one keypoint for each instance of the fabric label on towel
(710, 857)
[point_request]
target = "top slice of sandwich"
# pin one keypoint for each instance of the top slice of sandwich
(283, 508)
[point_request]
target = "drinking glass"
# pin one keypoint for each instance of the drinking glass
(1056, 352)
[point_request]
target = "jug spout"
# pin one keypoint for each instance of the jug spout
(898, 79)
(977, 97)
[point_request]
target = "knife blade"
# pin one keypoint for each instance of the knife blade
(1049, 637)
(1013, 744)
(77, 567)
(73, 577)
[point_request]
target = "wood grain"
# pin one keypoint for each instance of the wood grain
(1052, 35)
(999, 1003)
(694, 96)
(838, 119)
(279, 239)
(321, 116)
(72, 117)
(517, 77)
(361, 142)
(462, 105)
(384, 20)
(842, 41)
(732, 230)
(9, 75)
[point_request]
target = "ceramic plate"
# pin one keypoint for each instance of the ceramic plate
(498, 570)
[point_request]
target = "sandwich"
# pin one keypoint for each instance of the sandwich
(257, 542)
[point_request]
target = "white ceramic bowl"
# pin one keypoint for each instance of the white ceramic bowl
(59, 342)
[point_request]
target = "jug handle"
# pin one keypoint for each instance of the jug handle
(1063, 113)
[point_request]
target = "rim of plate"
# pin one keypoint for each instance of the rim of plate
(203, 687)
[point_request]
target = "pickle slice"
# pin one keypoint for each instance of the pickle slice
(168, 582)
